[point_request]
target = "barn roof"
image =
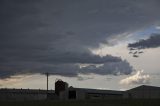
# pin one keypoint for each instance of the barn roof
(145, 87)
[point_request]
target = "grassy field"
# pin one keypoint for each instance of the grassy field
(124, 102)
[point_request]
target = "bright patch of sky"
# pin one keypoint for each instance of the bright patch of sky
(158, 27)
(143, 34)
(148, 61)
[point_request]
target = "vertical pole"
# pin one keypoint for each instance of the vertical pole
(47, 74)
(47, 81)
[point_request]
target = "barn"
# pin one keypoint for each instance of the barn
(66, 93)
(83, 94)
(143, 92)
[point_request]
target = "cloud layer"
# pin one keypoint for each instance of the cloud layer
(54, 36)
(152, 42)
(119, 67)
(138, 78)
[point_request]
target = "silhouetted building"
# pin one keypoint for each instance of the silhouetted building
(83, 93)
(24, 94)
(144, 92)
(60, 86)
(63, 92)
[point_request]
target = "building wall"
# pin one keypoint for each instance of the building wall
(82, 94)
(63, 95)
(26, 94)
(146, 92)
(104, 96)
(22, 96)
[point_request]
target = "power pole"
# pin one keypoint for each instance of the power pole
(47, 74)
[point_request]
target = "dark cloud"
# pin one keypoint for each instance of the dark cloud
(108, 68)
(136, 48)
(152, 42)
(68, 70)
(112, 68)
(38, 34)
(60, 64)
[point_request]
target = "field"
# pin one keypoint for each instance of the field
(123, 102)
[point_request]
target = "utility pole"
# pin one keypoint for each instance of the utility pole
(47, 74)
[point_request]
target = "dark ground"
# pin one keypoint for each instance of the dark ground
(123, 102)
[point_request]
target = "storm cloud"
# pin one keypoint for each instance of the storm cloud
(121, 67)
(54, 36)
(112, 68)
(152, 42)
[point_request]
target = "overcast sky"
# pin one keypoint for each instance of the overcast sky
(88, 43)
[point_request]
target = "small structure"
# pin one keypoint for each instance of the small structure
(60, 86)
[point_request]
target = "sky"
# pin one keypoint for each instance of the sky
(100, 44)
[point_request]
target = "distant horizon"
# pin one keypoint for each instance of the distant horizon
(73, 87)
